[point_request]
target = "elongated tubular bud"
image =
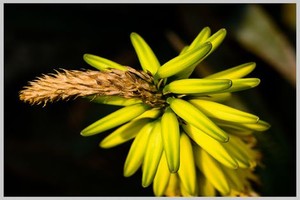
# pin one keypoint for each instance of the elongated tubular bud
(242, 84)
(173, 189)
(152, 114)
(183, 61)
(115, 119)
(124, 133)
(197, 86)
(216, 39)
(211, 146)
(102, 63)
(218, 97)
(239, 153)
(147, 58)
(137, 150)
(187, 170)
(260, 126)
(162, 177)
(212, 171)
(237, 131)
(236, 85)
(247, 152)
(222, 112)
(185, 193)
(114, 100)
(233, 178)
(205, 188)
(234, 72)
(200, 39)
(204, 36)
(192, 115)
(153, 154)
(171, 138)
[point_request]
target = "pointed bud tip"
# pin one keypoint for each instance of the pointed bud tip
(266, 124)
(144, 185)
(87, 56)
(83, 133)
(104, 145)
(133, 34)
(226, 139)
(223, 30)
(173, 170)
(169, 100)
(126, 173)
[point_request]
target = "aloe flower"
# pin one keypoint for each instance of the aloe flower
(185, 139)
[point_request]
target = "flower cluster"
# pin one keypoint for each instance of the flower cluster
(186, 140)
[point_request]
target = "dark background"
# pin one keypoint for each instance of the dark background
(44, 154)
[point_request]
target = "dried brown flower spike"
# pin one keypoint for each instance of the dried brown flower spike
(68, 84)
